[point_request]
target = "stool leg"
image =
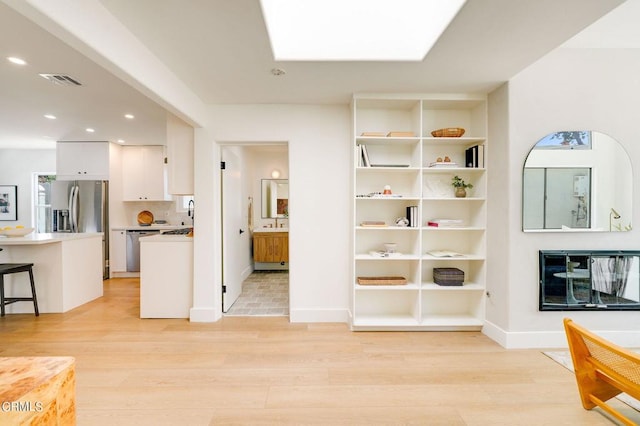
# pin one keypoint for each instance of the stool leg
(1, 295)
(33, 292)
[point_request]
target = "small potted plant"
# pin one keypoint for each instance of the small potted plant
(461, 186)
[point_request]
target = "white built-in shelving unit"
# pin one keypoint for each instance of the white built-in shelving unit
(403, 163)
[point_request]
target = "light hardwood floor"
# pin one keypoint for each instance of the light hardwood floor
(267, 371)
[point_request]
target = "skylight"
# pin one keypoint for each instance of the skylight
(356, 30)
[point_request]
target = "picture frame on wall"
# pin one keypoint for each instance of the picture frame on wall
(8, 202)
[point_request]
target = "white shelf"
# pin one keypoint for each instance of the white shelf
(388, 259)
(463, 258)
(465, 287)
(447, 169)
(452, 321)
(452, 228)
(405, 287)
(421, 304)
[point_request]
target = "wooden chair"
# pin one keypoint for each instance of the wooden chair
(13, 268)
(603, 369)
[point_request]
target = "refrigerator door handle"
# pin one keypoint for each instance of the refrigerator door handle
(73, 208)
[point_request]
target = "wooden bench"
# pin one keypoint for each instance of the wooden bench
(603, 370)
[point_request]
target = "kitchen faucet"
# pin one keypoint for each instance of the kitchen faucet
(191, 212)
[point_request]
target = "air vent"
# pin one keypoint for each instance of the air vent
(61, 79)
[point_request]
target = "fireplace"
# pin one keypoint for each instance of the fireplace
(572, 280)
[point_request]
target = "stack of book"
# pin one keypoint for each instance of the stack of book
(412, 216)
(442, 164)
(445, 223)
(474, 156)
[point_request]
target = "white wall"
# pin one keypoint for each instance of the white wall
(16, 168)
(575, 89)
(319, 164)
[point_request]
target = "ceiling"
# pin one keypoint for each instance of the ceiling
(220, 50)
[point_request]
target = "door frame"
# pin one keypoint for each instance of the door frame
(256, 205)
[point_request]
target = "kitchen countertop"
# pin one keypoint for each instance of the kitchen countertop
(162, 238)
(36, 239)
(152, 227)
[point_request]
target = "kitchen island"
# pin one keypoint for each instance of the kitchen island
(166, 276)
(67, 270)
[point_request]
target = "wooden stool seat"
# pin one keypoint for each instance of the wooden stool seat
(13, 268)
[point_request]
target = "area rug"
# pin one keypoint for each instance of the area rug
(564, 359)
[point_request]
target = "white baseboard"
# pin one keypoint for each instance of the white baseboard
(319, 315)
(553, 339)
(204, 315)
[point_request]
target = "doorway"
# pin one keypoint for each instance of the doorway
(253, 288)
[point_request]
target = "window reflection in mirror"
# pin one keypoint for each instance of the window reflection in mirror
(577, 181)
(275, 198)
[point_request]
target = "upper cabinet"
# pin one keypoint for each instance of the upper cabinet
(144, 173)
(179, 156)
(82, 160)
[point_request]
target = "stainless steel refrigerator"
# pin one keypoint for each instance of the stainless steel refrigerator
(84, 206)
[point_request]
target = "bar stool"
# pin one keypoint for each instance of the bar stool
(12, 268)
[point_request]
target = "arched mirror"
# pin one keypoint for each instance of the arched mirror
(577, 181)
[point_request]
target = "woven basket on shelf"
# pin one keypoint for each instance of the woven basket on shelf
(449, 132)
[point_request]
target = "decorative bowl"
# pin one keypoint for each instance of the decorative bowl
(16, 232)
(449, 132)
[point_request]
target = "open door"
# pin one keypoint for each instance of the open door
(233, 228)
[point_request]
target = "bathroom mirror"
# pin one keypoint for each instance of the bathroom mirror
(577, 181)
(275, 198)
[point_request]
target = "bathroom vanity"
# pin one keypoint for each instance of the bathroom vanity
(271, 248)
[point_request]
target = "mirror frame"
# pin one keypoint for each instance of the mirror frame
(264, 206)
(603, 219)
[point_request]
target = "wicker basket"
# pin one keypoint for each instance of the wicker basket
(449, 132)
(382, 280)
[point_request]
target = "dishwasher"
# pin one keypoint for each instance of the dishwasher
(133, 248)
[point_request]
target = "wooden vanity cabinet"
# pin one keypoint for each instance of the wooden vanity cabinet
(271, 247)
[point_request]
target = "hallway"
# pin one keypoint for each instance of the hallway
(264, 293)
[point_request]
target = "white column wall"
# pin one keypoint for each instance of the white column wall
(569, 89)
(319, 160)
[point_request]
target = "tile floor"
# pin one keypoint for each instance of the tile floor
(264, 293)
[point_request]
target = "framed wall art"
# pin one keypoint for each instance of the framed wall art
(8, 202)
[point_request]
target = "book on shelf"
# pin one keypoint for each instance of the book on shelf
(389, 165)
(412, 216)
(443, 164)
(474, 156)
(373, 223)
(382, 253)
(365, 156)
(444, 253)
(398, 134)
(373, 134)
(445, 223)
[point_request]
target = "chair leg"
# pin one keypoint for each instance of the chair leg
(33, 292)
(1, 295)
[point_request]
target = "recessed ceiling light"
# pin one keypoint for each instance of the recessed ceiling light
(356, 30)
(50, 116)
(90, 130)
(121, 141)
(17, 61)
(129, 116)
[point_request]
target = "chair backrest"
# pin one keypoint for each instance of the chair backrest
(603, 369)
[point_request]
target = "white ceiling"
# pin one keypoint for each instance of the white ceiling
(220, 50)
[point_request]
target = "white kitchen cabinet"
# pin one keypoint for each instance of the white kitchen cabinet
(82, 160)
(144, 177)
(180, 142)
(408, 163)
(166, 276)
(118, 251)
